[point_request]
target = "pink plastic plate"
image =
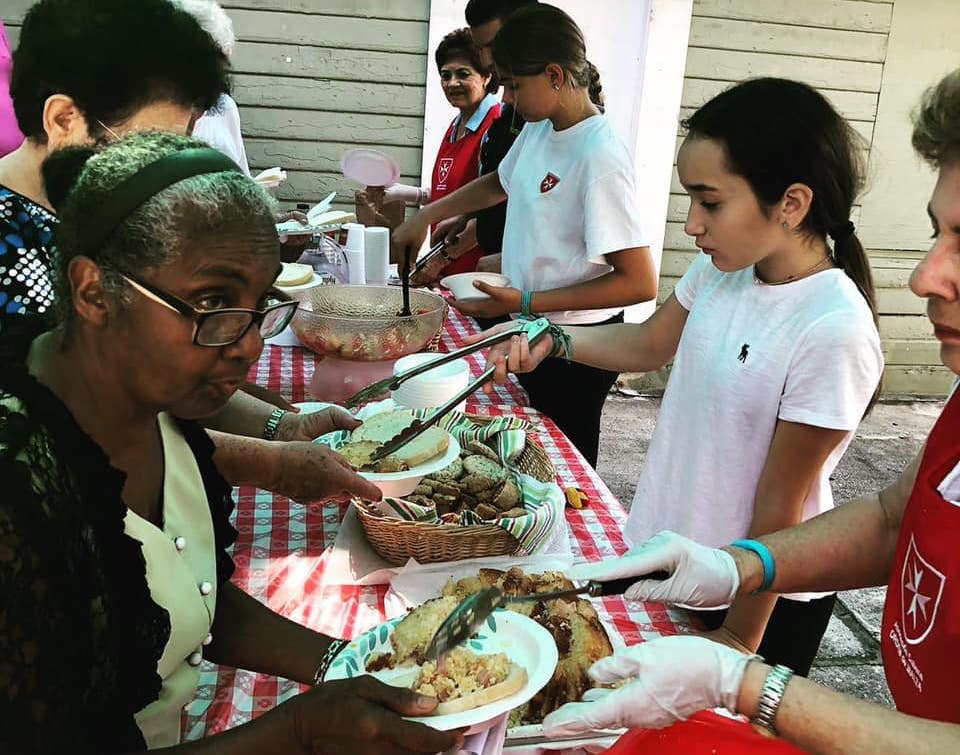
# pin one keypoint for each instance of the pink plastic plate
(369, 167)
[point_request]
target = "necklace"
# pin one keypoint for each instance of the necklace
(791, 278)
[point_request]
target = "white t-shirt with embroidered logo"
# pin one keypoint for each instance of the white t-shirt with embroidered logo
(751, 354)
(572, 200)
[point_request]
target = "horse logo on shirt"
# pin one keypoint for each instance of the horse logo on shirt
(743, 352)
(921, 589)
(446, 164)
(549, 182)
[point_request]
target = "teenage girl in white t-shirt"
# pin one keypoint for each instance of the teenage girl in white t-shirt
(572, 246)
(773, 335)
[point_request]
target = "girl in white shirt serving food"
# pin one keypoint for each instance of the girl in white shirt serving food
(773, 337)
(573, 248)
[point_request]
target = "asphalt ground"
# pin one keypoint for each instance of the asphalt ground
(886, 441)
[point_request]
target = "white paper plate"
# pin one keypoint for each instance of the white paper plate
(524, 641)
(369, 167)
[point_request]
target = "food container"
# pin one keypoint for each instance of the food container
(397, 541)
(461, 284)
(363, 322)
(433, 388)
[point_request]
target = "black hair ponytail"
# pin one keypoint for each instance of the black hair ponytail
(776, 132)
(595, 87)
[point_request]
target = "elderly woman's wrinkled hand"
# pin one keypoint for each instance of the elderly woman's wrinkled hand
(306, 471)
(311, 425)
(673, 678)
(364, 715)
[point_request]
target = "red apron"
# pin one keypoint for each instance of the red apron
(920, 639)
(457, 164)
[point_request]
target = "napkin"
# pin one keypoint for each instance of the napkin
(352, 561)
(271, 177)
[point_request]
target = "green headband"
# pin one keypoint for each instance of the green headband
(147, 182)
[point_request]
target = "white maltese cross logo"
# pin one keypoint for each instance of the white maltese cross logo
(548, 182)
(920, 593)
(445, 164)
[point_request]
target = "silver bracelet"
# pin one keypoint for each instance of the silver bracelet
(771, 695)
(332, 652)
(273, 423)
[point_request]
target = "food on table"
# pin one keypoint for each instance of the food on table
(576, 498)
(412, 636)
(294, 274)
(477, 482)
(381, 428)
(574, 624)
(462, 680)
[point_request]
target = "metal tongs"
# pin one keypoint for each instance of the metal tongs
(533, 329)
(469, 616)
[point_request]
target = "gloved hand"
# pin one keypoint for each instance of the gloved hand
(404, 193)
(699, 576)
(675, 678)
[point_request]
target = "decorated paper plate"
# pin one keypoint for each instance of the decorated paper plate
(525, 642)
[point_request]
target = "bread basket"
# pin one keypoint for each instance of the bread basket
(398, 540)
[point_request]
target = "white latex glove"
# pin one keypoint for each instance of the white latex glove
(408, 194)
(699, 576)
(675, 677)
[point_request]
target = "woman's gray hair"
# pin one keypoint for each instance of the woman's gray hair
(213, 20)
(936, 122)
(163, 228)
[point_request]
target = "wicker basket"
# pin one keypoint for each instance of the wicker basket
(397, 540)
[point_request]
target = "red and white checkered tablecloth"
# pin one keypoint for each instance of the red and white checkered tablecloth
(280, 550)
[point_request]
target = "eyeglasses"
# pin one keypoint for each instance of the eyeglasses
(221, 327)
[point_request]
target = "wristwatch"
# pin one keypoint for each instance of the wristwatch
(273, 423)
(771, 695)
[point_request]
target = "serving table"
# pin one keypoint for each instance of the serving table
(281, 547)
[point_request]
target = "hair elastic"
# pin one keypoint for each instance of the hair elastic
(843, 231)
(124, 198)
(766, 558)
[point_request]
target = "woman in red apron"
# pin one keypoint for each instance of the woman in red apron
(907, 537)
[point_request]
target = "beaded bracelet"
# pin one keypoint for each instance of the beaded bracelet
(332, 652)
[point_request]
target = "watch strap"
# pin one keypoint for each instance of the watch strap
(771, 695)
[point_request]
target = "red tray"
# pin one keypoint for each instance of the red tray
(706, 733)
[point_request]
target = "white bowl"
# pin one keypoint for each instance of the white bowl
(433, 388)
(461, 284)
(399, 484)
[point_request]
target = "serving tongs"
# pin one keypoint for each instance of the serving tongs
(533, 329)
(469, 616)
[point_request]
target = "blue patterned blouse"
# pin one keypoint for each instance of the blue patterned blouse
(26, 233)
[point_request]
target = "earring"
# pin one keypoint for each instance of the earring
(786, 227)
(556, 87)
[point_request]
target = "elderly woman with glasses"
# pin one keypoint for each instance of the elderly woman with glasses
(114, 572)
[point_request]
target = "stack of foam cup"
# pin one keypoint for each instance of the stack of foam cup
(434, 387)
(355, 254)
(376, 255)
